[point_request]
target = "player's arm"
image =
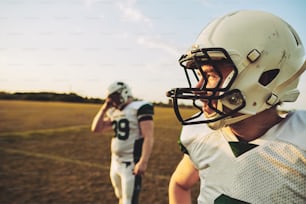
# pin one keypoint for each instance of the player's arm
(147, 129)
(183, 178)
(100, 121)
(146, 125)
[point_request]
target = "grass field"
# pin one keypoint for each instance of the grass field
(49, 155)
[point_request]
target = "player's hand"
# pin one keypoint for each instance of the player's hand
(140, 168)
(108, 103)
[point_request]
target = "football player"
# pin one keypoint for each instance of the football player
(237, 143)
(131, 146)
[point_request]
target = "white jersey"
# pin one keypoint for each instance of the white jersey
(127, 142)
(270, 169)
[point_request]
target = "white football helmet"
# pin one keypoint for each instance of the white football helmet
(122, 89)
(267, 57)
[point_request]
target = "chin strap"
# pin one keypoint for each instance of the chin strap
(292, 95)
(291, 79)
(229, 121)
(225, 121)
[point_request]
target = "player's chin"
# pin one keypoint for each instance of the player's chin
(115, 105)
(207, 110)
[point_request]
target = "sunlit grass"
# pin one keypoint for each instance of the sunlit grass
(23, 116)
(17, 116)
(48, 152)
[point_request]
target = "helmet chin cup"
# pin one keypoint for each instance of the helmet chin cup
(227, 121)
(216, 125)
(220, 123)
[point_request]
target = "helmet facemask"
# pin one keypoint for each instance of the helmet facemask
(116, 99)
(219, 97)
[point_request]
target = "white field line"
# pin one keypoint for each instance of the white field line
(67, 160)
(43, 131)
(62, 129)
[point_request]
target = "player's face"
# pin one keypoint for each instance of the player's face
(115, 99)
(212, 78)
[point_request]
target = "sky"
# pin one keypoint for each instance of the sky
(82, 46)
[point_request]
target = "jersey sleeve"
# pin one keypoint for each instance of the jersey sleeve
(182, 147)
(145, 112)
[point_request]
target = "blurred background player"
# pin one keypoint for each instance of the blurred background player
(131, 146)
(241, 67)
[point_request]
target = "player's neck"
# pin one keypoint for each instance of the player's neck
(125, 104)
(257, 125)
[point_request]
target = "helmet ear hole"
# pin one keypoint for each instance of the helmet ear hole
(268, 76)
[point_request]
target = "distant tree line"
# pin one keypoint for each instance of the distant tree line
(48, 96)
(64, 97)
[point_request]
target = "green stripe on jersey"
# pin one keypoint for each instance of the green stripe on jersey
(146, 109)
(241, 147)
(224, 199)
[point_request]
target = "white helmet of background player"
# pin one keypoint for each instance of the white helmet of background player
(267, 57)
(120, 88)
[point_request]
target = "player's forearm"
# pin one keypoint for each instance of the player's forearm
(147, 147)
(98, 122)
(147, 131)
